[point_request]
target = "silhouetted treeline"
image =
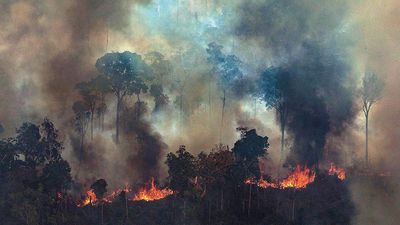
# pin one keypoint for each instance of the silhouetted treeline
(208, 188)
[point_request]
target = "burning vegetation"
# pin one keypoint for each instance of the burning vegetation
(120, 113)
(151, 193)
(300, 178)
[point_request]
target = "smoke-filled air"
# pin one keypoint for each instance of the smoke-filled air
(191, 112)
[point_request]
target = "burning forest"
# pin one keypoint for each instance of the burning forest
(197, 112)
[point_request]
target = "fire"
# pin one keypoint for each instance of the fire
(261, 183)
(265, 184)
(89, 199)
(152, 193)
(300, 178)
(339, 172)
(109, 198)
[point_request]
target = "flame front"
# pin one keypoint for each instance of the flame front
(152, 193)
(339, 172)
(261, 183)
(90, 198)
(300, 178)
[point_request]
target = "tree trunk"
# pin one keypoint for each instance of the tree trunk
(293, 208)
(283, 123)
(249, 202)
(222, 117)
(91, 124)
(222, 200)
(366, 140)
(126, 206)
(102, 213)
(117, 120)
(138, 106)
(184, 211)
(209, 211)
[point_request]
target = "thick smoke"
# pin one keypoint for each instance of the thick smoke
(318, 92)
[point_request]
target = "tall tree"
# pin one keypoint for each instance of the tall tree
(227, 69)
(101, 88)
(249, 149)
(162, 69)
(90, 99)
(371, 92)
(81, 122)
(99, 188)
(124, 72)
(93, 94)
(271, 90)
(38, 143)
(181, 169)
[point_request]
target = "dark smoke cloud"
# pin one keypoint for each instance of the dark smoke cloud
(146, 147)
(306, 37)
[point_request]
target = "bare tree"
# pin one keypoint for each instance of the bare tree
(371, 92)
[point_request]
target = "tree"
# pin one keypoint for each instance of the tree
(227, 68)
(38, 143)
(101, 88)
(8, 156)
(271, 91)
(161, 67)
(371, 92)
(248, 149)
(99, 188)
(213, 170)
(81, 122)
(56, 176)
(90, 99)
(93, 94)
(181, 169)
(160, 99)
(124, 73)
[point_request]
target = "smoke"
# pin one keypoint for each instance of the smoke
(48, 46)
(308, 38)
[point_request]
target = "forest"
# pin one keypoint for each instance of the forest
(199, 112)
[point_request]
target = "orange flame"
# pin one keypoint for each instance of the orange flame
(89, 199)
(152, 193)
(265, 184)
(300, 178)
(339, 172)
(109, 198)
(261, 183)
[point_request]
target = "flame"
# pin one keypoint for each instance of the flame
(339, 172)
(300, 178)
(261, 183)
(109, 198)
(90, 198)
(265, 184)
(152, 193)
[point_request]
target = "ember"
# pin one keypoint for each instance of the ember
(152, 193)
